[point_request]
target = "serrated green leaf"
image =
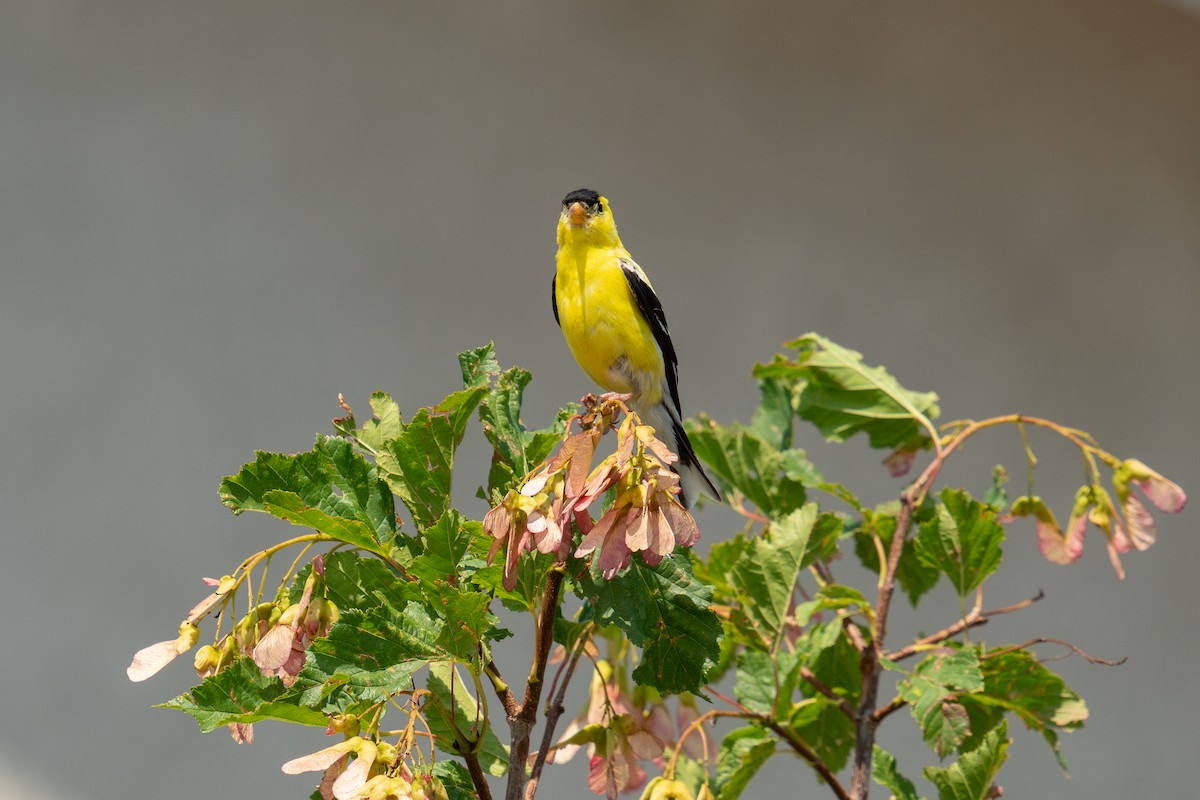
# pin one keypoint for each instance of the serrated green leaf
(828, 731)
(445, 544)
(372, 655)
(478, 366)
(755, 687)
(843, 396)
(767, 575)
(458, 720)
(387, 423)
(456, 780)
(1016, 681)
(914, 576)
(532, 569)
(241, 693)
(665, 611)
(971, 777)
(291, 508)
(331, 479)
(963, 541)
(772, 420)
(418, 464)
(997, 496)
(467, 620)
(517, 450)
(355, 582)
(957, 670)
(933, 696)
(827, 651)
(747, 465)
(945, 727)
(884, 772)
(742, 753)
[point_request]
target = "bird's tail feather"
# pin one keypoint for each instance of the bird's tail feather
(692, 478)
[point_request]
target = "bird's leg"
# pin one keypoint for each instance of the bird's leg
(619, 397)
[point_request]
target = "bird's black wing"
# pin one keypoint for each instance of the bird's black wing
(554, 297)
(648, 303)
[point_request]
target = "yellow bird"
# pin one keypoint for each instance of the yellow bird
(614, 324)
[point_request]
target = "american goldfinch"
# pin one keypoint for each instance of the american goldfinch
(614, 324)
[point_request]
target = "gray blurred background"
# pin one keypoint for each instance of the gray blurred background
(216, 216)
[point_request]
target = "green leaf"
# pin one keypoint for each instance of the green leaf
(971, 777)
(532, 569)
(745, 464)
(458, 720)
(767, 575)
(665, 611)
(914, 576)
(332, 480)
(290, 507)
(467, 621)
(997, 496)
(741, 754)
(419, 462)
(372, 655)
(772, 420)
(386, 425)
(516, 449)
(884, 772)
(827, 651)
(958, 670)
(241, 693)
(842, 396)
(932, 694)
(828, 731)
(963, 541)
(445, 545)
(355, 582)
(755, 687)
(456, 780)
(478, 366)
(1015, 681)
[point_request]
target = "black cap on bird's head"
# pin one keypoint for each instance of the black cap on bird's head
(581, 204)
(587, 217)
(585, 196)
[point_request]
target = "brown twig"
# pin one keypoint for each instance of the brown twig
(860, 775)
(521, 723)
(815, 682)
(503, 692)
(1047, 640)
(805, 752)
(478, 778)
(554, 711)
(973, 619)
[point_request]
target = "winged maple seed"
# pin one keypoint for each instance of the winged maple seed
(646, 516)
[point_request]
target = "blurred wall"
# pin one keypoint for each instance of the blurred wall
(216, 216)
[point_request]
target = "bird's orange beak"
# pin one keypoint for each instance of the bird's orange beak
(577, 213)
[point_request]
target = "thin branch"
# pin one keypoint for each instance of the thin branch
(478, 778)
(860, 775)
(890, 708)
(521, 723)
(553, 712)
(503, 692)
(805, 752)
(1047, 640)
(820, 686)
(974, 619)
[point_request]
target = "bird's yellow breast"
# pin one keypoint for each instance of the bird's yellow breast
(602, 323)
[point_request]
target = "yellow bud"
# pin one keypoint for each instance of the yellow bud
(189, 634)
(671, 790)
